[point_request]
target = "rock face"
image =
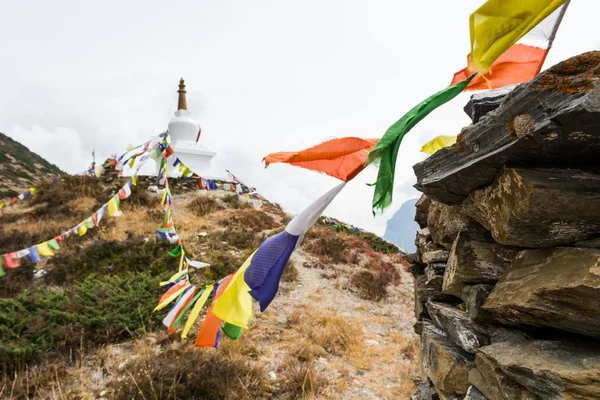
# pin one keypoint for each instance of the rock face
(514, 311)
(538, 207)
(558, 288)
(480, 104)
(554, 120)
(474, 260)
(445, 222)
(549, 369)
(458, 326)
(445, 364)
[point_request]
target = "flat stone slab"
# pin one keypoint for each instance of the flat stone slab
(549, 369)
(553, 120)
(557, 288)
(538, 207)
(474, 260)
(446, 364)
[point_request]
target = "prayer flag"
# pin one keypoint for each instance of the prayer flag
(196, 310)
(268, 262)
(45, 250)
(437, 143)
(125, 191)
(499, 24)
(113, 207)
(521, 62)
(82, 229)
(53, 243)
(10, 260)
(341, 158)
(34, 255)
(386, 150)
(235, 303)
(208, 335)
(179, 306)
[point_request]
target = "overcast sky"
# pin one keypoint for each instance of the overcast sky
(262, 76)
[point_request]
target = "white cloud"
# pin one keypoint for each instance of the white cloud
(262, 77)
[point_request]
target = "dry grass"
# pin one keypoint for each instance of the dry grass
(204, 205)
(255, 220)
(327, 330)
(290, 273)
(299, 380)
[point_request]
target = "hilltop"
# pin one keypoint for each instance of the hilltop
(20, 168)
(81, 323)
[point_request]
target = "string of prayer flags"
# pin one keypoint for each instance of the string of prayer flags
(48, 248)
(386, 150)
(521, 61)
(26, 194)
(341, 158)
(437, 143)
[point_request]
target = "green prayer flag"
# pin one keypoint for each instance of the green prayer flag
(175, 252)
(89, 223)
(232, 331)
(53, 244)
(2, 273)
(386, 150)
(186, 309)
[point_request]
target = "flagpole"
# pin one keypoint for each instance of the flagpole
(558, 22)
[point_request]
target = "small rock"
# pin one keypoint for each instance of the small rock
(272, 375)
(153, 188)
(435, 256)
(371, 342)
(203, 234)
(103, 393)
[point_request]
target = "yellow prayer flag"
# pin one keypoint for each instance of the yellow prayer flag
(196, 311)
(45, 250)
(235, 303)
(32, 190)
(437, 143)
(498, 24)
(113, 207)
(134, 180)
(82, 229)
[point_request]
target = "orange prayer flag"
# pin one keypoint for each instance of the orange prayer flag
(207, 336)
(520, 63)
(341, 158)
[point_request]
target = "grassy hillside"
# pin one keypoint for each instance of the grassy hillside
(21, 168)
(80, 324)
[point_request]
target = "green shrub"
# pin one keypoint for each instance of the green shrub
(95, 311)
(111, 257)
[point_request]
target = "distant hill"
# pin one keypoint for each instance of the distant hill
(401, 228)
(20, 168)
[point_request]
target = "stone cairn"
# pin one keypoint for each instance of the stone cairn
(507, 271)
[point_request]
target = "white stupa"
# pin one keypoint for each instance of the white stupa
(185, 138)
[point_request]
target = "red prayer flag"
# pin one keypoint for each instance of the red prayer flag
(10, 260)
